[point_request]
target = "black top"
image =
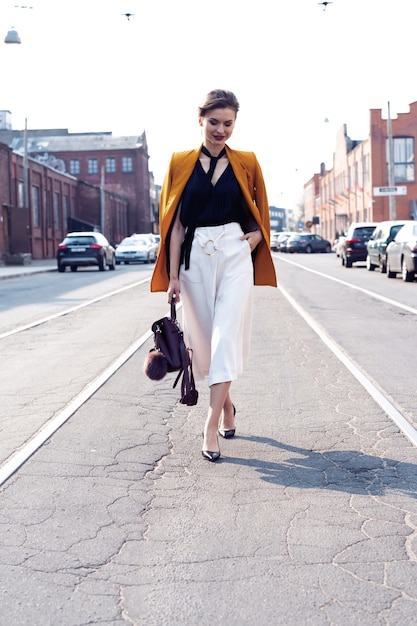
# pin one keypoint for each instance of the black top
(204, 204)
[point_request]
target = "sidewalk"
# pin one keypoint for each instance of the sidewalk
(35, 267)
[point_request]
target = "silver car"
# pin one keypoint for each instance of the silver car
(137, 248)
(402, 253)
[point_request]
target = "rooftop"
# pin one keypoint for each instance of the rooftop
(63, 141)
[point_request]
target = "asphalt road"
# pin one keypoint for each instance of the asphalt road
(309, 517)
(373, 319)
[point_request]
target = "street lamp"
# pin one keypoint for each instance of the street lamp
(12, 36)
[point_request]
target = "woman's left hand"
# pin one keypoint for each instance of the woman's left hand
(253, 239)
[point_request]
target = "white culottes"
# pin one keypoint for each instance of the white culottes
(217, 295)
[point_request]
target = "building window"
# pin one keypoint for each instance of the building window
(74, 166)
(358, 185)
(20, 194)
(365, 169)
(48, 208)
(56, 211)
(110, 165)
(403, 159)
(127, 164)
(92, 166)
(65, 212)
(35, 207)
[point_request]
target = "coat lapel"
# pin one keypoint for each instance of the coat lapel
(244, 177)
(181, 169)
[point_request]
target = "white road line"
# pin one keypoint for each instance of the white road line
(21, 456)
(16, 460)
(405, 426)
(43, 320)
(346, 284)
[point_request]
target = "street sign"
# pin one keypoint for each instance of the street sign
(390, 191)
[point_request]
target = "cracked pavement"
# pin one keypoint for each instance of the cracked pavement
(309, 517)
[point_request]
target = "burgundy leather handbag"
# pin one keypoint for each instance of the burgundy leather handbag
(170, 354)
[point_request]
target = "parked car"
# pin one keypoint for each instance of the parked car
(282, 240)
(338, 243)
(154, 239)
(402, 253)
(273, 239)
(382, 236)
(137, 248)
(354, 249)
(82, 249)
(277, 237)
(307, 243)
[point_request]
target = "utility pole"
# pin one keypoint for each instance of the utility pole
(25, 167)
(102, 201)
(390, 159)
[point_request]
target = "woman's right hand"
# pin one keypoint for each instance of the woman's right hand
(174, 290)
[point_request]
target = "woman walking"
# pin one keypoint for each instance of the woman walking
(215, 234)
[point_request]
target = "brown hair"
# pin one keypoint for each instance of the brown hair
(218, 99)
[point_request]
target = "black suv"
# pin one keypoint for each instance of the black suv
(354, 247)
(383, 234)
(83, 249)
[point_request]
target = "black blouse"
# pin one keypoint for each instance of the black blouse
(204, 204)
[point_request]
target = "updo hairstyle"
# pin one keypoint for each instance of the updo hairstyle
(218, 99)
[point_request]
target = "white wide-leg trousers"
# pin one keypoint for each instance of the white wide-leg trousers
(217, 295)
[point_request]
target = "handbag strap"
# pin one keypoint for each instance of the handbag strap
(189, 394)
(185, 364)
(173, 309)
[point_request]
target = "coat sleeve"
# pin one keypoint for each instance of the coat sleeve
(263, 263)
(264, 270)
(163, 198)
(179, 171)
(160, 279)
(261, 200)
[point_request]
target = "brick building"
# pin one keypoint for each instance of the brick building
(34, 217)
(115, 186)
(344, 194)
(312, 200)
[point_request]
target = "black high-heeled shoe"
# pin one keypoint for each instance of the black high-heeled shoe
(230, 432)
(209, 455)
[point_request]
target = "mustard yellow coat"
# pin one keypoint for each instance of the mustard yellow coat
(249, 176)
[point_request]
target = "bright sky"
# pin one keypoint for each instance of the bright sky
(83, 66)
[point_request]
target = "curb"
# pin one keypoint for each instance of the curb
(27, 272)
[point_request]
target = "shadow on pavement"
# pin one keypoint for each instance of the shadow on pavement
(350, 471)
